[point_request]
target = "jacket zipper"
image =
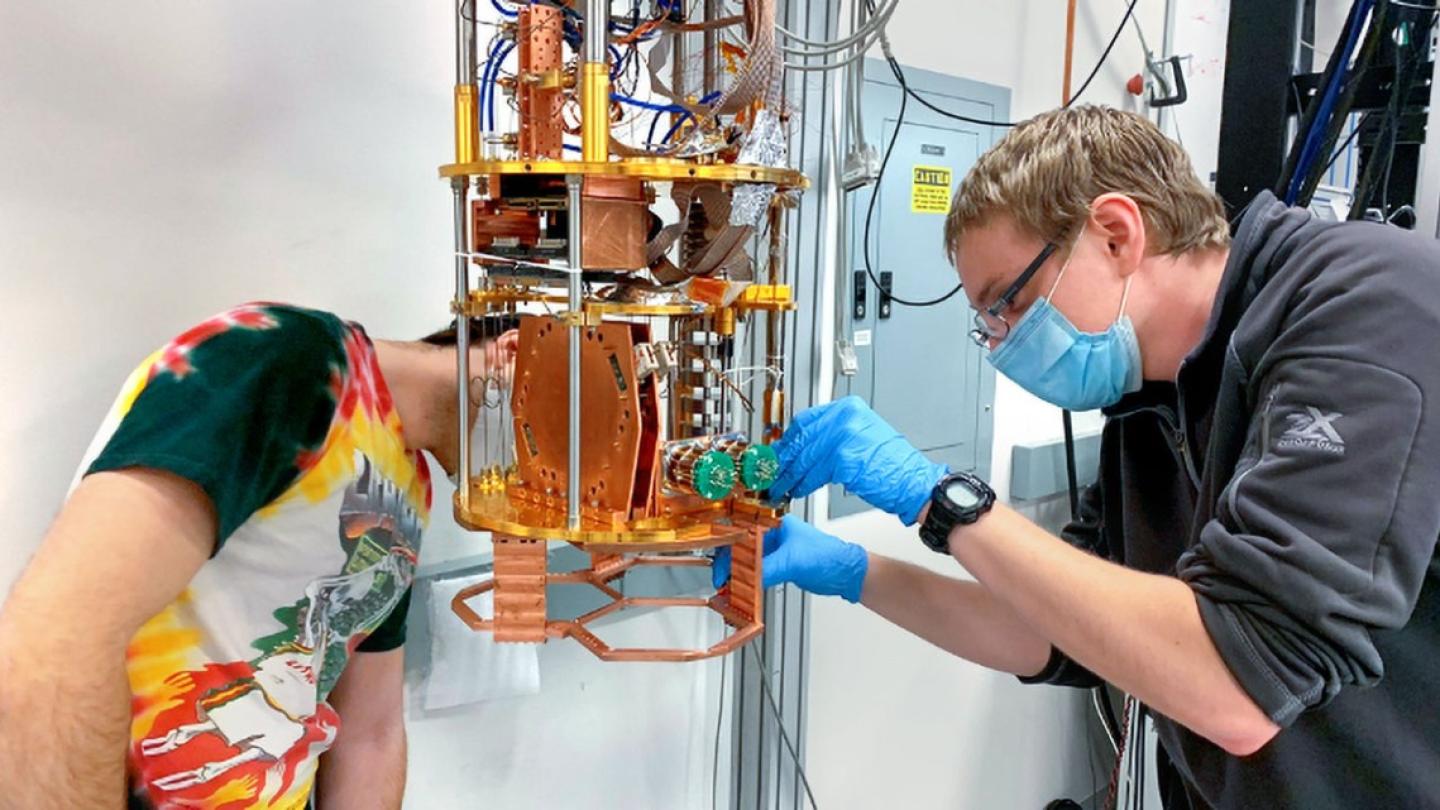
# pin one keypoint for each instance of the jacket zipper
(1177, 436)
(1181, 439)
(1183, 446)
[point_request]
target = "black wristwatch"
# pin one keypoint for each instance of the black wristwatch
(958, 499)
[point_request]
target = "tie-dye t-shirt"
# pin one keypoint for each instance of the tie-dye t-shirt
(281, 415)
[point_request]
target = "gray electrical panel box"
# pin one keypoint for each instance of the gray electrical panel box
(917, 366)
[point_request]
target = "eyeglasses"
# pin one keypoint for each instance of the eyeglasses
(990, 325)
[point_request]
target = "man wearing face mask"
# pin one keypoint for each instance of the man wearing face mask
(1256, 560)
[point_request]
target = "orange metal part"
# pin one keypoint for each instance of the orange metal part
(614, 220)
(489, 221)
(515, 582)
(539, 90)
(525, 513)
(519, 589)
(616, 423)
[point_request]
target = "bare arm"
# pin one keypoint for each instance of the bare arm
(124, 546)
(959, 617)
(366, 767)
(1141, 632)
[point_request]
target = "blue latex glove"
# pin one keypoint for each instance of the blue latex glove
(846, 443)
(814, 561)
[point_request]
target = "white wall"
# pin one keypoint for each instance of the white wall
(1200, 28)
(597, 736)
(162, 161)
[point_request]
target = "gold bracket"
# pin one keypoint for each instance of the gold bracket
(766, 296)
(584, 317)
(549, 79)
(646, 168)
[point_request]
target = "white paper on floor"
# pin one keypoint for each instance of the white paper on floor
(467, 666)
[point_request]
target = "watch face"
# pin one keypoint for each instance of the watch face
(962, 495)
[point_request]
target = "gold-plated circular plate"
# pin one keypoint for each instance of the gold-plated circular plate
(643, 168)
(495, 512)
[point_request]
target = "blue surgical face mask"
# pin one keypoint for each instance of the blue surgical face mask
(1046, 355)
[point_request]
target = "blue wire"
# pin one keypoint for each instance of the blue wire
(504, 12)
(483, 85)
(485, 79)
(1315, 136)
(626, 27)
(1325, 105)
(495, 46)
(675, 127)
(646, 105)
(570, 147)
(708, 98)
(617, 62)
(494, 80)
(1350, 152)
(625, 60)
(571, 34)
(654, 122)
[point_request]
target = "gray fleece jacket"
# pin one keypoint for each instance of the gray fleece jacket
(1291, 477)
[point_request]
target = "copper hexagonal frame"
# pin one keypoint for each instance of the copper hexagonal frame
(520, 580)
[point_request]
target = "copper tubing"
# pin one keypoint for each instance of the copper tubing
(1069, 50)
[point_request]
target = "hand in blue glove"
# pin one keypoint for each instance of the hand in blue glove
(846, 443)
(816, 562)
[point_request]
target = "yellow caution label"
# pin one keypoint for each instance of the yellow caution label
(930, 190)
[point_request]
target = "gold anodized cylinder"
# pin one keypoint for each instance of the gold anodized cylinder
(467, 124)
(594, 112)
(725, 321)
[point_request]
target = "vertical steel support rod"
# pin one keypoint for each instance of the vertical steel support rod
(572, 478)
(679, 55)
(464, 45)
(465, 124)
(711, 49)
(774, 410)
(462, 340)
(467, 102)
(597, 30)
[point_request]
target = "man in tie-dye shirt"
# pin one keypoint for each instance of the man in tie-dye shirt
(229, 578)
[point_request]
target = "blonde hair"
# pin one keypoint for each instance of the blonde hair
(1046, 172)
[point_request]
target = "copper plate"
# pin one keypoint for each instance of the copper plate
(611, 421)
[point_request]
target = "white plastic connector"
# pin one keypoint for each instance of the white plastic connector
(862, 167)
(845, 356)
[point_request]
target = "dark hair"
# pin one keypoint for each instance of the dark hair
(485, 328)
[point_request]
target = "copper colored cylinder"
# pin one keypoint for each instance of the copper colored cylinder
(539, 86)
